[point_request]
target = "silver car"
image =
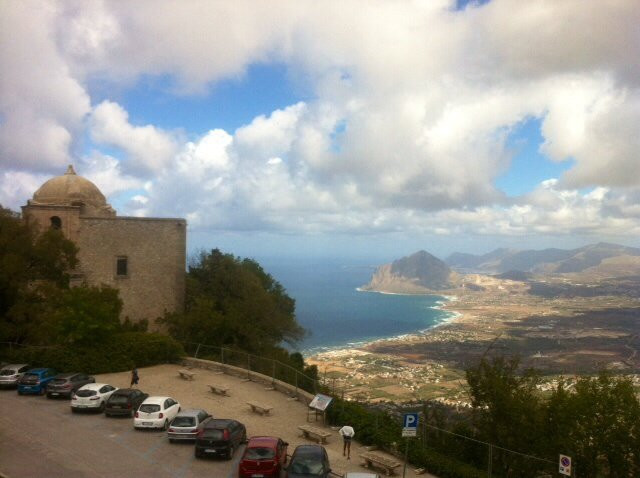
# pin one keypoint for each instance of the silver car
(186, 424)
(11, 374)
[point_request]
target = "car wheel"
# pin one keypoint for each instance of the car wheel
(197, 453)
(171, 440)
(19, 392)
(230, 453)
(41, 391)
(166, 425)
(131, 413)
(73, 410)
(101, 408)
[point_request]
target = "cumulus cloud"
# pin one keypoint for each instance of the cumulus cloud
(148, 149)
(406, 127)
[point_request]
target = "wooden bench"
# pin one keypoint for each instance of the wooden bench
(372, 459)
(186, 374)
(219, 390)
(314, 433)
(259, 408)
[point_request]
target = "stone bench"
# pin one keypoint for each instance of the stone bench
(219, 390)
(260, 408)
(372, 459)
(186, 374)
(314, 433)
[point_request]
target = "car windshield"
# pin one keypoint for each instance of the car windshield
(118, 399)
(59, 381)
(213, 433)
(149, 408)
(7, 371)
(260, 453)
(183, 422)
(306, 465)
(30, 376)
(86, 393)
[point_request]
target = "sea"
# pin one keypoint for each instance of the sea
(337, 314)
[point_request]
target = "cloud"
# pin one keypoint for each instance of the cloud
(406, 126)
(148, 149)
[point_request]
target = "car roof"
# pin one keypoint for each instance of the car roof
(126, 391)
(66, 375)
(262, 441)
(13, 365)
(309, 450)
(94, 386)
(38, 370)
(155, 400)
(190, 413)
(218, 422)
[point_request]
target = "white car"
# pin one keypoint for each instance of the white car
(156, 412)
(92, 396)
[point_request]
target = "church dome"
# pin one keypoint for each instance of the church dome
(71, 190)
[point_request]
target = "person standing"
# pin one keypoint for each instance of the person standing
(134, 377)
(347, 433)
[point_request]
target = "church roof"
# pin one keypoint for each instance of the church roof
(69, 189)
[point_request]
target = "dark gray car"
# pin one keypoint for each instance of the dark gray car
(307, 461)
(65, 384)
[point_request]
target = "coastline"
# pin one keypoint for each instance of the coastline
(444, 305)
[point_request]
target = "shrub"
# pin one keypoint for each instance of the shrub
(117, 353)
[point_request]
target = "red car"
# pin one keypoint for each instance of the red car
(263, 457)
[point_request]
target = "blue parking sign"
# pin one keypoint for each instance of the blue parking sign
(409, 424)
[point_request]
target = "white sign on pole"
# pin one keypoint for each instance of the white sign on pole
(410, 425)
(565, 465)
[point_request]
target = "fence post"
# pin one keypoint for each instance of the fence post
(296, 382)
(197, 350)
(273, 375)
(249, 366)
(222, 355)
(490, 460)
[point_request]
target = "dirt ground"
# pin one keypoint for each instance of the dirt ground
(283, 421)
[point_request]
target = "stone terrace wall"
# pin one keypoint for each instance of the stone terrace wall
(288, 389)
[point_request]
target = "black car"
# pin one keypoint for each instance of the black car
(220, 437)
(124, 401)
(65, 384)
(309, 460)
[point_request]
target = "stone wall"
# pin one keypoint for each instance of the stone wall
(155, 250)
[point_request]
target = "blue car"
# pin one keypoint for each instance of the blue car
(35, 381)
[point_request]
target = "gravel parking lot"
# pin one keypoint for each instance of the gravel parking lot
(41, 437)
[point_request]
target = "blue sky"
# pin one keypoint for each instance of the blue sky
(335, 129)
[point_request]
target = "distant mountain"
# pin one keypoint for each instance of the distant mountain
(418, 273)
(540, 261)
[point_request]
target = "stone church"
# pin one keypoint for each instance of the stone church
(144, 258)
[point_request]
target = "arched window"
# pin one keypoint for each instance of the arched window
(56, 222)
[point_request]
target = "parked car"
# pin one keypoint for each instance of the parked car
(156, 412)
(186, 424)
(35, 380)
(10, 374)
(220, 437)
(65, 384)
(92, 396)
(360, 474)
(124, 401)
(309, 460)
(263, 456)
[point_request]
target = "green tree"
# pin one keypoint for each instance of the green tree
(84, 315)
(598, 425)
(508, 412)
(233, 302)
(32, 267)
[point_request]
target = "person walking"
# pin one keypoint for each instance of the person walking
(347, 433)
(134, 377)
